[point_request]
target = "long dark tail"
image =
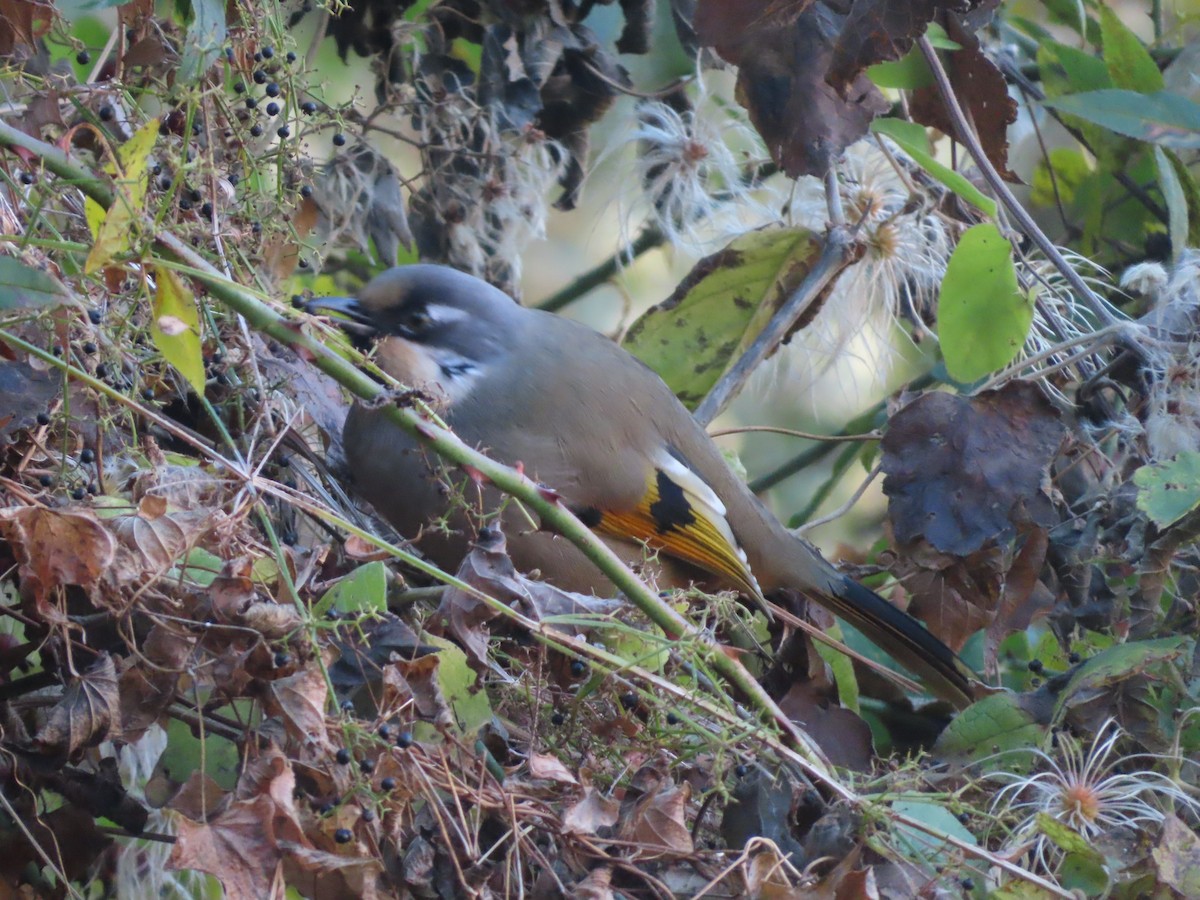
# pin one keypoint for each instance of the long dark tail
(904, 638)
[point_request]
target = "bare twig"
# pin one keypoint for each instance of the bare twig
(833, 259)
(1024, 221)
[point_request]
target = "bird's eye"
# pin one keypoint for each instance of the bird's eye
(416, 323)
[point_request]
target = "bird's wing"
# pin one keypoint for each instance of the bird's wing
(680, 516)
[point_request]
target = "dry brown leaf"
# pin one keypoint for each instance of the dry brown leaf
(549, 768)
(55, 548)
(88, 710)
(590, 813)
(159, 538)
(658, 823)
(597, 885)
(237, 846)
(300, 699)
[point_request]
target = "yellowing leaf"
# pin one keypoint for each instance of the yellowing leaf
(179, 343)
(720, 308)
(114, 229)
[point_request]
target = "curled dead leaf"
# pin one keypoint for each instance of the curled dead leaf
(55, 548)
(90, 707)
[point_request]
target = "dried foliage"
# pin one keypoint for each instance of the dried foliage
(218, 670)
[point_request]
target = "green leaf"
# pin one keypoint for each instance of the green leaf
(1129, 63)
(907, 73)
(1070, 168)
(939, 38)
(1084, 874)
(1068, 70)
(186, 753)
(913, 139)
(363, 591)
(1061, 834)
(199, 566)
(841, 667)
(1073, 14)
(718, 310)
(1170, 490)
(917, 845)
(205, 38)
(983, 318)
(1177, 205)
(1120, 663)
(1163, 118)
(176, 328)
(456, 678)
(1191, 195)
(1000, 724)
(23, 287)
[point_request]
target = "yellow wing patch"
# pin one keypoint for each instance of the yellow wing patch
(680, 516)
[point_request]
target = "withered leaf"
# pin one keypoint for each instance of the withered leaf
(157, 537)
(590, 813)
(784, 53)
(550, 768)
(90, 707)
(238, 846)
(963, 472)
(300, 699)
(488, 568)
(658, 823)
(840, 733)
(981, 90)
(55, 548)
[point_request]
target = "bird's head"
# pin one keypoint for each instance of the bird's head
(430, 325)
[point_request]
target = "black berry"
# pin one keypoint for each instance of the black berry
(87, 456)
(343, 757)
(339, 140)
(343, 836)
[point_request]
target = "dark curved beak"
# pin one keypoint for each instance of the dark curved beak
(352, 318)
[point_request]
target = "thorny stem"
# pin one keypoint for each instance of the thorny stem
(796, 746)
(549, 508)
(968, 138)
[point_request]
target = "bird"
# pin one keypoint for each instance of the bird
(587, 419)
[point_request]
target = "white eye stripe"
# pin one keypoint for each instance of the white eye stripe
(440, 314)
